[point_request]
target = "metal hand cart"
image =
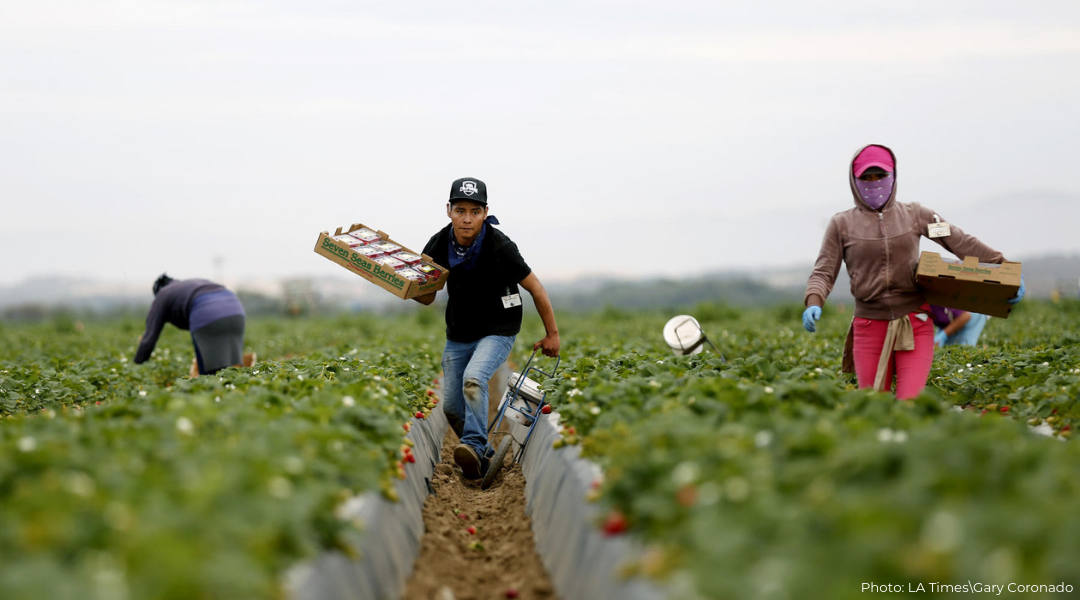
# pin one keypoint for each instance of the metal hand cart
(524, 403)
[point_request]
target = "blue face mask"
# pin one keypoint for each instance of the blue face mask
(875, 193)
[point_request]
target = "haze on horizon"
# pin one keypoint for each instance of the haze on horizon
(616, 138)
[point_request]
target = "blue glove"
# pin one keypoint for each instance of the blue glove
(940, 337)
(810, 318)
(1019, 293)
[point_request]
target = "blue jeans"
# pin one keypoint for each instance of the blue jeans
(969, 333)
(467, 367)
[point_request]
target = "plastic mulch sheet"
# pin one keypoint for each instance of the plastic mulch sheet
(583, 563)
(390, 541)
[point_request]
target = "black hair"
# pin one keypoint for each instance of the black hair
(161, 282)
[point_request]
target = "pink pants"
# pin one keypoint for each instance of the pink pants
(911, 367)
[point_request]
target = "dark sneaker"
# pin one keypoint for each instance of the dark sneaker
(469, 461)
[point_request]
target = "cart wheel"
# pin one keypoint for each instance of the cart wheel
(496, 463)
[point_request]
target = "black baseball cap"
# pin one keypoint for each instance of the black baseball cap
(469, 188)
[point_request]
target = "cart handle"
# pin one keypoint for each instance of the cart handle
(525, 371)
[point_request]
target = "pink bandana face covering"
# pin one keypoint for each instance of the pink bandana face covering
(875, 193)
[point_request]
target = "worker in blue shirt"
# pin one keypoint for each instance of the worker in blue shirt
(212, 313)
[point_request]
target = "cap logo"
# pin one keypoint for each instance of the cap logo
(468, 188)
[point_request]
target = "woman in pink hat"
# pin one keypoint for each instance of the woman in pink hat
(891, 334)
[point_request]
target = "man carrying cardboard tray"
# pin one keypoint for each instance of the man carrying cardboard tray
(483, 314)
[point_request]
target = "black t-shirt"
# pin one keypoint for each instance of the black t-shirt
(475, 309)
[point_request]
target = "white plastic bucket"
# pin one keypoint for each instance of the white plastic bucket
(530, 389)
(684, 336)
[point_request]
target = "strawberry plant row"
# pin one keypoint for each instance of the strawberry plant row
(119, 480)
(771, 475)
(768, 469)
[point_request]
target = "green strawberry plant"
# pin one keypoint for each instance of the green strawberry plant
(771, 475)
(767, 474)
(134, 480)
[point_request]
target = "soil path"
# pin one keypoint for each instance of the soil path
(496, 561)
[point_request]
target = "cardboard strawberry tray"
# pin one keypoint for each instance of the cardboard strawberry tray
(371, 254)
(968, 285)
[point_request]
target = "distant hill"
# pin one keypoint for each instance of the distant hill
(33, 298)
(1047, 274)
(74, 292)
(735, 290)
(1023, 225)
(1042, 276)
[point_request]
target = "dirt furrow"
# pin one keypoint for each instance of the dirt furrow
(499, 560)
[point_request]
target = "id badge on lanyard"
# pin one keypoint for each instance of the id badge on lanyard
(938, 228)
(511, 300)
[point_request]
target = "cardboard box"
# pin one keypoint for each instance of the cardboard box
(968, 285)
(384, 277)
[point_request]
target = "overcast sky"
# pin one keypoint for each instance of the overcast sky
(615, 137)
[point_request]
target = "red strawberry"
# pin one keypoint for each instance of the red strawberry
(615, 523)
(1066, 428)
(571, 431)
(511, 592)
(407, 426)
(434, 400)
(419, 415)
(1053, 412)
(431, 392)
(1004, 409)
(546, 410)
(410, 458)
(463, 515)
(471, 530)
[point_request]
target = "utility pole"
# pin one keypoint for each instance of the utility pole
(219, 271)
